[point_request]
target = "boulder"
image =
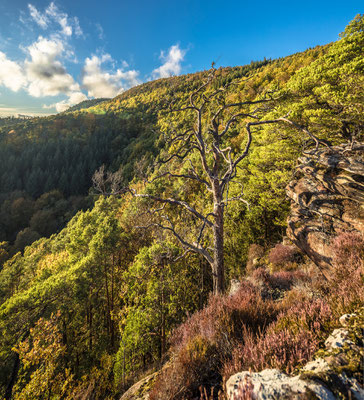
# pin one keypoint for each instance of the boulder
(273, 384)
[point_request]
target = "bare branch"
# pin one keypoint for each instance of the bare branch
(238, 104)
(234, 119)
(302, 128)
(186, 176)
(179, 156)
(195, 247)
(199, 238)
(174, 202)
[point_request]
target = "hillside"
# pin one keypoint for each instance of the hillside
(99, 290)
(63, 151)
(85, 104)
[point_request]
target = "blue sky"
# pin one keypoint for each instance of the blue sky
(55, 54)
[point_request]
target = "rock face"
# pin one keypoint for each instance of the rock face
(327, 197)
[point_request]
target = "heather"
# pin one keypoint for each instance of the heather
(275, 320)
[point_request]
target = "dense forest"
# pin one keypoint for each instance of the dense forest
(101, 283)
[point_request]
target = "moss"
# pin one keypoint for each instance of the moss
(330, 380)
(346, 360)
(147, 385)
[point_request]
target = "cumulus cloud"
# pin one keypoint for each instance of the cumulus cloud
(46, 74)
(171, 63)
(11, 74)
(43, 71)
(101, 83)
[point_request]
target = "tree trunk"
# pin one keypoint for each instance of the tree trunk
(218, 231)
(13, 377)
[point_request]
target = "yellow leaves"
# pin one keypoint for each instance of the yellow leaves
(52, 262)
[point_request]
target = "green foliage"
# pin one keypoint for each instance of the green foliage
(86, 104)
(330, 90)
(155, 303)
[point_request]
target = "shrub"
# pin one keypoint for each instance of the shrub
(255, 252)
(345, 286)
(310, 315)
(280, 349)
(225, 315)
(273, 285)
(287, 343)
(281, 254)
(348, 249)
(196, 365)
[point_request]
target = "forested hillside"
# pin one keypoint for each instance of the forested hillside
(97, 299)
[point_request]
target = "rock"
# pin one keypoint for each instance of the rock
(354, 385)
(273, 384)
(140, 391)
(344, 319)
(234, 286)
(327, 197)
(317, 366)
(338, 339)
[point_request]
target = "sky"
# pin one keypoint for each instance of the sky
(54, 54)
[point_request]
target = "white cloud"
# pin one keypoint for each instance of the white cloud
(171, 63)
(42, 73)
(100, 83)
(78, 30)
(38, 17)
(53, 14)
(11, 74)
(74, 98)
(100, 31)
(45, 73)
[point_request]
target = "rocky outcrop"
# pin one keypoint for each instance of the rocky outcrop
(140, 391)
(327, 197)
(331, 375)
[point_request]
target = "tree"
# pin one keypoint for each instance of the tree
(41, 355)
(327, 94)
(201, 146)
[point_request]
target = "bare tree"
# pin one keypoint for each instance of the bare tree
(215, 166)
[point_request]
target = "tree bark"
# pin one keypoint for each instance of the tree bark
(218, 233)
